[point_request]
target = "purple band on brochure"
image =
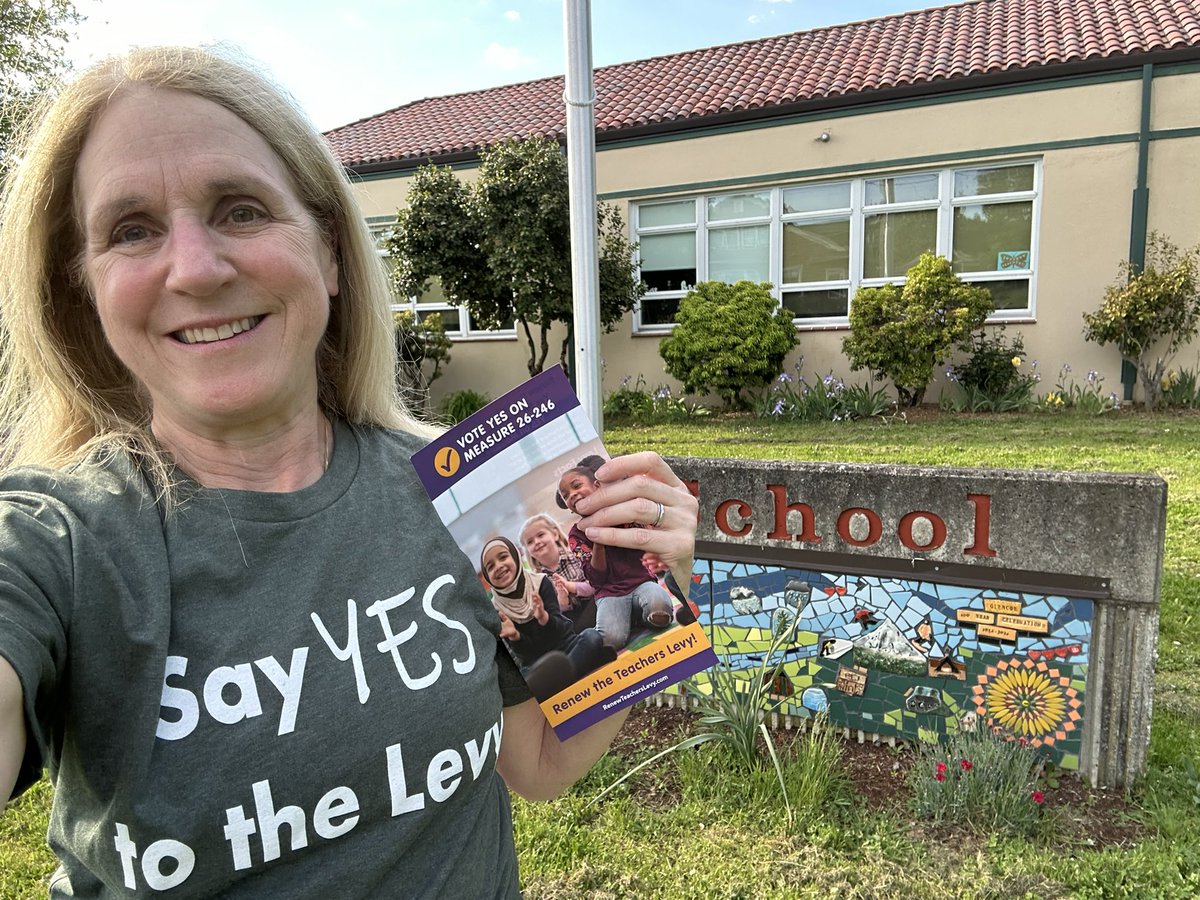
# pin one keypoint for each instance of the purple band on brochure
(502, 424)
(697, 662)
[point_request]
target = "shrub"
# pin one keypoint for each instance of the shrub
(458, 405)
(728, 337)
(902, 332)
(1153, 306)
(1181, 388)
(994, 377)
(636, 403)
(983, 781)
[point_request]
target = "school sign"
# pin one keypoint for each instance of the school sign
(926, 601)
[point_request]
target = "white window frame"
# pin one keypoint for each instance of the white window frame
(465, 331)
(945, 204)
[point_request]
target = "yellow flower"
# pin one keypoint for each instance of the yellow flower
(1016, 361)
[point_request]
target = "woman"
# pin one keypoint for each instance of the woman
(230, 623)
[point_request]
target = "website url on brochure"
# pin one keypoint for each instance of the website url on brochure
(640, 689)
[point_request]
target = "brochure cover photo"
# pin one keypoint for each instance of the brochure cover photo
(504, 482)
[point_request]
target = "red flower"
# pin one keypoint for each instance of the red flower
(1021, 742)
(941, 768)
(940, 776)
(1038, 797)
(966, 765)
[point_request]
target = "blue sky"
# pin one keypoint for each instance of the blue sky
(351, 59)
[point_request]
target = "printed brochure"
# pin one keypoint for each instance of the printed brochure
(592, 628)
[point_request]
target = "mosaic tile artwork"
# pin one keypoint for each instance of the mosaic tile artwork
(905, 658)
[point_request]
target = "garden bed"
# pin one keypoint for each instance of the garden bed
(878, 775)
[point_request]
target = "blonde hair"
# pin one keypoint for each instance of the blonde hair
(64, 393)
(560, 536)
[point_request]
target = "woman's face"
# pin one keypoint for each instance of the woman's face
(541, 542)
(210, 277)
(499, 567)
(573, 487)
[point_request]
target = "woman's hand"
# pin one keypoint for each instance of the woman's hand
(641, 489)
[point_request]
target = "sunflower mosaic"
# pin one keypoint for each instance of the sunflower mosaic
(1028, 699)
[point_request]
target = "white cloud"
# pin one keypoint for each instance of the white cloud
(508, 59)
(512, 15)
(754, 20)
(779, 1)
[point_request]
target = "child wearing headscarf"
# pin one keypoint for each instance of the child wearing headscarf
(547, 648)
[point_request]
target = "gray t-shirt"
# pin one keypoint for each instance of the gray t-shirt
(271, 695)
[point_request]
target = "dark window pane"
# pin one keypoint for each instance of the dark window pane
(450, 320)
(895, 241)
(1008, 294)
(670, 279)
(992, 237)
(659, 311)
(815, 304)
(816, 251)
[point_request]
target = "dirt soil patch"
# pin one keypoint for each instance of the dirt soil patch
(878, 774)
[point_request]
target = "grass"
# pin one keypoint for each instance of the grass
(698, 827)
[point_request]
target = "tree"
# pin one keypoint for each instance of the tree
(1149, 308)
(903, 332)
(32, 35)
(728, 337)
(501, 245)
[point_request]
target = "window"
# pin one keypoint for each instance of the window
(819, 243)
(456, 320)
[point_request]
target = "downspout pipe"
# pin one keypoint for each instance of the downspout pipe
(580, 97)
(1141, 206)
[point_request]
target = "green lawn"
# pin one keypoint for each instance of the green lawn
(717, 842)
(712, 832)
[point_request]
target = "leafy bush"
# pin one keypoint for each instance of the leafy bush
(992, 378)
(1156, 305)
(983, 781)
(636, 403)
(728, 337)
(902, 332)
(1181, 388)
(458, 405)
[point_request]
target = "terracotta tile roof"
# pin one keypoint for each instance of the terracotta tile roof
(782, 74)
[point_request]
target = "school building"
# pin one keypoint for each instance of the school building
(1033, 142)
